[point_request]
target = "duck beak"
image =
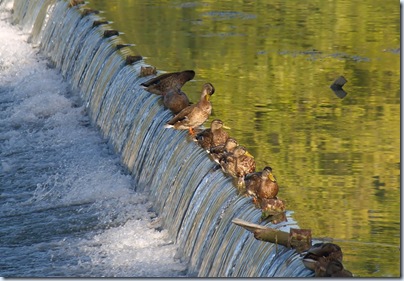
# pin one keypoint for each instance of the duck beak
(272, 177)
(248, 154)
(225, 127)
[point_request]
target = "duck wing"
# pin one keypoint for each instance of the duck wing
(157, 80)
(183, 114)
(172, 80)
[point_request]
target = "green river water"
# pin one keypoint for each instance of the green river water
(337, 161)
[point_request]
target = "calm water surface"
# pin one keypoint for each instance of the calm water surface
(337, 160)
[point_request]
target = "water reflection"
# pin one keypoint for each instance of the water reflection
(337, 160)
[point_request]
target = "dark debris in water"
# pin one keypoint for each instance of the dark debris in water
(316, 54)
(337, 87)
(224, 15)
(393, 50)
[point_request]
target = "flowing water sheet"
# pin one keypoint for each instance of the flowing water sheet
(67, 206)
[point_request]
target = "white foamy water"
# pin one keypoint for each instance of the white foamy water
(67, 207)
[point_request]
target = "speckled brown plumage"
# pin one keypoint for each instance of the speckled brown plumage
(262, 184)
(213, 136)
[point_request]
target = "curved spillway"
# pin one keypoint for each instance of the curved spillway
(196, 203)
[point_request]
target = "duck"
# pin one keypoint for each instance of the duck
(262, 184)
(145, 70)
(213, 136)
(334, 269)
(168, 81)
(175, 100)
(323, 256)
(73, 3)
(194, 115)
(270, 206)
(219, 151)
(238, 164)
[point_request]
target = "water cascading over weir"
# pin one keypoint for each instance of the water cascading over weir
(197, 204)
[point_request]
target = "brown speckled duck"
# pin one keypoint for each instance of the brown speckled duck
(194, 115)
(271, 206)
(168, 81)
(262, 184)
(213, 136)
(238, 164)
(219, 151)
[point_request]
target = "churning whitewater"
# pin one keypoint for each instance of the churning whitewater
(67, 206)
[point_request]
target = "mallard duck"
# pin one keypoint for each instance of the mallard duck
(238, 164)
(73, 3)
(194, 115)
(270, 206)
(319, 256)
(111, 32)
(132, 59)
(334, 269)
(213, 136)
(146, 70)
(175, 100)
(168, 81)
(219, 151)
(262, 184)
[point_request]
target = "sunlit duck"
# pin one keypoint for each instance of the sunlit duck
(238, 164)
(168, 81)
(144, 70)
(270, 206)
(194, 115)
(320, 255)
(175, 100)
(262, 184)
(73, 3)
(213, 136)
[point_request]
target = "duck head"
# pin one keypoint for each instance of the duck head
(267, 173)
(207, 91)
(216, 125)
